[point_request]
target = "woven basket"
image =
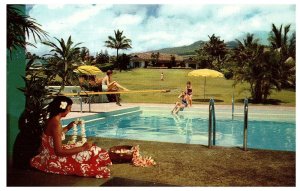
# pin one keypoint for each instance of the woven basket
(116, 157)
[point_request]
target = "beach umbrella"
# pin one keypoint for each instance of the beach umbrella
(206, 73)
(88, 70)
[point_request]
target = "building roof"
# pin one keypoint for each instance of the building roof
(146, 56)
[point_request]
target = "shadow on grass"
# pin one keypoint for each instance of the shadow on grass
(207, 100)
(267, 102)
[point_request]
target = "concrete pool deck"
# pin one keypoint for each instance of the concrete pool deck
(107, 107)
(177, 164)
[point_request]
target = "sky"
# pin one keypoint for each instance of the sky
(156, 26)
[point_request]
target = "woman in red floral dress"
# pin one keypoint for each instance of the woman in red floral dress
(55, 157)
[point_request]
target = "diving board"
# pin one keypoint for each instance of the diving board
(87, 93)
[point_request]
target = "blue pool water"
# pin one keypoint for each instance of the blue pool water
(275, 131)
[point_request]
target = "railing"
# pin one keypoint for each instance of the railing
(232, 106)
(211, 124)
(245, 124)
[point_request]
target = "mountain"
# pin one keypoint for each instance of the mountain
(182, 50)
(190, 49)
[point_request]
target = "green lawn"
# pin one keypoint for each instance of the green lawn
(175, 80)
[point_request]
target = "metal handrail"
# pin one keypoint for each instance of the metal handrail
(232, 106)
(245, 124)
(211, 124)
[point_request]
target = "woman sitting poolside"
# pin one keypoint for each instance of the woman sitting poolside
(112, 86)
(69, 159)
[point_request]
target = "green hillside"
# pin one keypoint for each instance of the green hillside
(182, 50)
(189, 49)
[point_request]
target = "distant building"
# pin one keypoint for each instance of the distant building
(148, 59)
(37, 64)
(190, 62)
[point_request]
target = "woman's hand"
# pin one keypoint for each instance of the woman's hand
(71, 124)
(87, 145)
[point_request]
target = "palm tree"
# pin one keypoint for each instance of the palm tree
(252, 66)
(216, 49)
(118, 42)
(19, 26)
(84, 54)
(285, 48)
(66, 55)
(31, 121)
(279, 38)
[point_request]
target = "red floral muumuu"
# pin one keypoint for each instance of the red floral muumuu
(91, 163)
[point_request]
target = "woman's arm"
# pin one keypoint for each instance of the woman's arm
(68, 127)
(59, 151)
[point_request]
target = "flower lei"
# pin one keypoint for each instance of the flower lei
(138, 160)
(75, 133)
(63, 105)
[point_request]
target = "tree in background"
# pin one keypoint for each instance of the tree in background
(216, 51)
(118, 42)
(172, 62)
(257, 66)
(154, 58)
(285, 48)
(66, 57)
(102, 58)
(124, 61)
(84, 54)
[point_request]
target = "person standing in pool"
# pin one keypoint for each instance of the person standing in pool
(68, 159)
(189, 93)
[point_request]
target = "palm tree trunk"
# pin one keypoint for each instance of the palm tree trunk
(64, 78)
(257, 94)
(118, 64)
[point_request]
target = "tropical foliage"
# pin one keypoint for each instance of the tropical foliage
(20, 26)
(215, 49)
(84, 54)
(118, 42)
(284, 48)
(255, 66)
(65, 58)
(154, 57)
(102, 58)
(265, 68)
(32, 120)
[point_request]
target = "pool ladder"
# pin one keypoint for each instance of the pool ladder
(212, 124)
(245, 124)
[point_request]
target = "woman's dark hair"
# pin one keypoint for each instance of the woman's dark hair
(58, 105)
(109, 72)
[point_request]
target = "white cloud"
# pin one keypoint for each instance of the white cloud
(228, 10)
(127, 19)
(151, 27)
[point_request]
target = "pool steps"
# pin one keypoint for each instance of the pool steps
(106, 115)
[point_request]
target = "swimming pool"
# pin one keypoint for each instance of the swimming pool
(266, 130)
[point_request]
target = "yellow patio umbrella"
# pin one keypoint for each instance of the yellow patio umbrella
(206, 73)
(88, 70)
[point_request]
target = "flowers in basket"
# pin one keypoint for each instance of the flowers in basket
(126, 154)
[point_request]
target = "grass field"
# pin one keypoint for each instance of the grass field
(175, 80)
